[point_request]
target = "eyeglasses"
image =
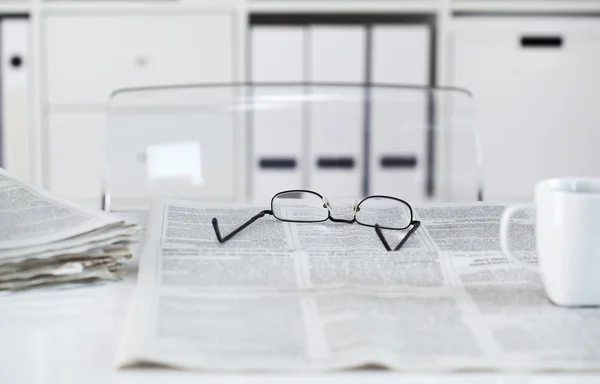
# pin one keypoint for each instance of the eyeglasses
(302, 206)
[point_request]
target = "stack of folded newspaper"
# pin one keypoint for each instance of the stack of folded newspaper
(47, 240)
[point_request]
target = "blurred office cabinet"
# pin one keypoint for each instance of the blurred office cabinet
(326, 145)
(77, 142)
(14, 137)
(335, 128)
(536, 85)
(277, 56)
(398, 156)
(88, 57)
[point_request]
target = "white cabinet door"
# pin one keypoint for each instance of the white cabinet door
(536, 85)
(76, 145)
(277, 55)
(337, 55)
(88, 57)
(15, 149)
(398, 150)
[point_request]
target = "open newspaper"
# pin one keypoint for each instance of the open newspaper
(48, 240)
(307, 297)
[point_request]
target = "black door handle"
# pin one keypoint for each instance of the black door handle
(398, 161)
(335, 162)
(277, 163)
(541, 41)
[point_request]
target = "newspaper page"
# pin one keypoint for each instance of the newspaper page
(31, 216)
(270, 299)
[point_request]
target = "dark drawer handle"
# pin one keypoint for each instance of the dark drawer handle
(398, 162)
(16, 61)
(335, 162)
(277, 163)
(541, 41)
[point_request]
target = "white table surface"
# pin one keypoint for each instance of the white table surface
(70, 336)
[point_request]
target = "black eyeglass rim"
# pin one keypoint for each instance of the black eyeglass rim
(358, 206)
(297, 221)
(410, 222)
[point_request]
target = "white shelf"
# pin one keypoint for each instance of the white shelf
(345, 6)
(15, 7)
(159, 7)
(316, 6)
(511, 6)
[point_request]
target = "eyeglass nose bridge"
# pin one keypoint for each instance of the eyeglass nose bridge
(326, 204)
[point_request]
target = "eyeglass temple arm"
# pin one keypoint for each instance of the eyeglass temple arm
(215, 224)
(415, 224)
(381, 237)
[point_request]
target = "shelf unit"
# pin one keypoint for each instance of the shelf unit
(444, 13)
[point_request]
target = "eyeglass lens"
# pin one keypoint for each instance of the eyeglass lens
(387, 212)
(285, 207)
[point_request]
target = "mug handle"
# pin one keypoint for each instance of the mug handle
(508, 213)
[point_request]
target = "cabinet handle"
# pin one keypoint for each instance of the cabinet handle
(16, 61)
(398, 162)
(277, 163)
(335, 162)
(541, 41)
(141, 61)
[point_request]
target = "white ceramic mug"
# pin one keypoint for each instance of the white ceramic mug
(567, 238)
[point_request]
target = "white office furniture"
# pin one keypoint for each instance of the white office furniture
(89, 57)
(77, 52)
(336, 130)
(401, 55)
(276, 137)
(76, 143)
(16, 96)
(536, 81)
(329, 153)
(332, 151)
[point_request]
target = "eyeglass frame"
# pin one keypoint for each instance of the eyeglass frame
(378, 229)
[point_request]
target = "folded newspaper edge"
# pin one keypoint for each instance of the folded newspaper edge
(48, 240)
(319, 297)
